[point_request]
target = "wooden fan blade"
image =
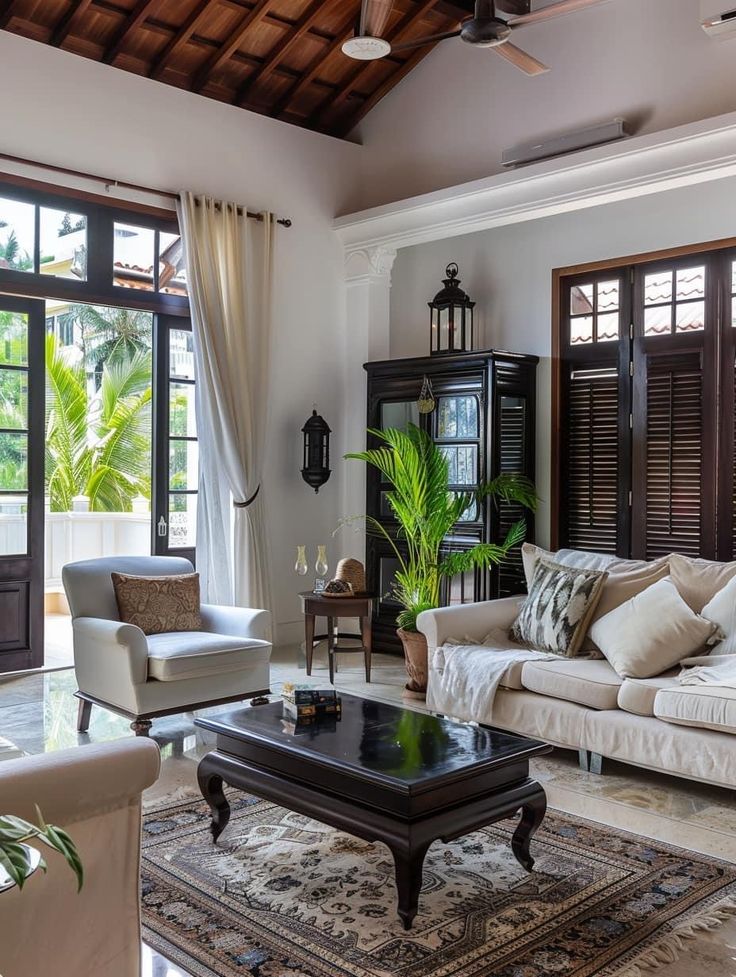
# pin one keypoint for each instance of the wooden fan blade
(422, 41)
(554, 10)
(374, 15)
(520, 59)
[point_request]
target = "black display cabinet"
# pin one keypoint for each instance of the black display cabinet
(484, 419)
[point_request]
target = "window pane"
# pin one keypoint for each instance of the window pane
(581, 299)
(182, 421)
(399, 414)
(690, 283)
(14, 338)
(13, 526)
(462, 462)
(183, 464)
(13, 462)
(733, 277)
(182, 521)
(658, 287)
(690, 317)
(733, 311)
(172, 274)
(17, 235)
(13, 399)
(581, 330)
(457, 417)
(63, 244)
(181, 354)
(607, 327)
(658, 321)
(133, 257)
(608, 296)
(471, 513)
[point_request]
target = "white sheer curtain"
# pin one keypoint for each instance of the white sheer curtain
(228, 259)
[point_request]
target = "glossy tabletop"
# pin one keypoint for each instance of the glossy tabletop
(375, 740)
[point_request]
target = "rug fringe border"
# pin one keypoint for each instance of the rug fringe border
(669, 948)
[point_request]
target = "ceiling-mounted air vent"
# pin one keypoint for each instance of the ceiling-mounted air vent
(570, 142)
(718, 18)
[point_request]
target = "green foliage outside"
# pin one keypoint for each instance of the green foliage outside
(426, 511)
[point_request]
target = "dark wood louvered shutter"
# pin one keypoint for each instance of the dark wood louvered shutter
(674, 490)
(590, 485)
(513, 453)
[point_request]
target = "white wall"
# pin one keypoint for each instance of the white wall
(450, 119)
(67, 110)
(508, 272)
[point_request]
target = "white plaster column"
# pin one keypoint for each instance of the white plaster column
(367, 336)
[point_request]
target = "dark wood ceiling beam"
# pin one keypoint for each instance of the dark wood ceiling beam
(311, 75)
(137, 16)
(66, 23)
(181, 37)
(399, 33)
(250, 19)
(346, 126)
(8, 10)
(317, 9)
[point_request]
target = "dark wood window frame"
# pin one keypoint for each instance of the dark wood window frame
(711, 350)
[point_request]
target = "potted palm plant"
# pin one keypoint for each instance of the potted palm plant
(426, 510)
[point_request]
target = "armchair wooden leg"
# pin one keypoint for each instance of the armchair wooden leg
(141, 727)
(83, 713)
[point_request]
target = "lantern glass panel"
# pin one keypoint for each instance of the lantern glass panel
(444, 330)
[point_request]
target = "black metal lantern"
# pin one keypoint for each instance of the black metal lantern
(316, 468)
(451, 316)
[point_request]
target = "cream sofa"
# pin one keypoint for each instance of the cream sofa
(584, 705)
(94, 792)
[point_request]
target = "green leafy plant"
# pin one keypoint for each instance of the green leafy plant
(98, 445)
(16, 857)
(426, 511)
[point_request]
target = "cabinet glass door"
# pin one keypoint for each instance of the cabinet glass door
(457, 433)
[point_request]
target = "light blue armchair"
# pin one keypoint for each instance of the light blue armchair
(144, 676)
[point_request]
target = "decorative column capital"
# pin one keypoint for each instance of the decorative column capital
(365, 264)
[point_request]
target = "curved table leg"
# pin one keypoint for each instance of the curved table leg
(409, 882)
(532, 814)
(210, 783)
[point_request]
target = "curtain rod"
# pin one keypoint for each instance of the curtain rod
(52, 167)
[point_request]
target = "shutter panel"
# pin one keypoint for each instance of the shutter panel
(592, 469)
(512, 458)
(673, 465)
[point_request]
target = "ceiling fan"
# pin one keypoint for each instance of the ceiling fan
(483, 29)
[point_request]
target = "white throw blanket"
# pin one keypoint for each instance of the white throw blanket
(464, 678)
(717, 670)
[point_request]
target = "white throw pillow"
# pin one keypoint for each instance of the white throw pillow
(651, 632)
(721, 610)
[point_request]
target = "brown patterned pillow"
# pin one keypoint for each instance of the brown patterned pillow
(158, 604)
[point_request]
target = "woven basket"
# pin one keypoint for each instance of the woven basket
(352, 572)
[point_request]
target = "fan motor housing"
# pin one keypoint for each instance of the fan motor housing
(485, 33)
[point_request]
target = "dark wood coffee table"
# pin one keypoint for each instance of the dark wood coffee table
(382, 773)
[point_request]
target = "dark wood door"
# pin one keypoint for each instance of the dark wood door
(22, 383)
(176, 455)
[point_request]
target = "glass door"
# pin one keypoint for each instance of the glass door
(21, 483)
(176, 471)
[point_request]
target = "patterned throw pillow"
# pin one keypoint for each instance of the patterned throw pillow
(158, 604)
(561, 601)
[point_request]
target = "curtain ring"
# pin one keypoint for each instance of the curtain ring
(244, 505)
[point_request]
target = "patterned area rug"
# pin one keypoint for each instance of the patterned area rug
(281, 895)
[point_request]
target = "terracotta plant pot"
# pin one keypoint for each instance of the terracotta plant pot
(415, 656)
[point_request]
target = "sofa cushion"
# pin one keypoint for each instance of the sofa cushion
(651, 632)
(709, 707)
(554, 617)
(620, 587)
(158, 604)
(589, 683)
(698, 581)
(637, 695)
(721, 610)
(179, 655)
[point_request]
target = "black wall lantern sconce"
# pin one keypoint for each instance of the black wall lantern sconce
(451, 316)
(316, 468)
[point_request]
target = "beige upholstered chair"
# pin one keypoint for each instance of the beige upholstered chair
(142, 677)
(94, 792)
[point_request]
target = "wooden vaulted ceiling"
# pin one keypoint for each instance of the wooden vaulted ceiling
(281, 58)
